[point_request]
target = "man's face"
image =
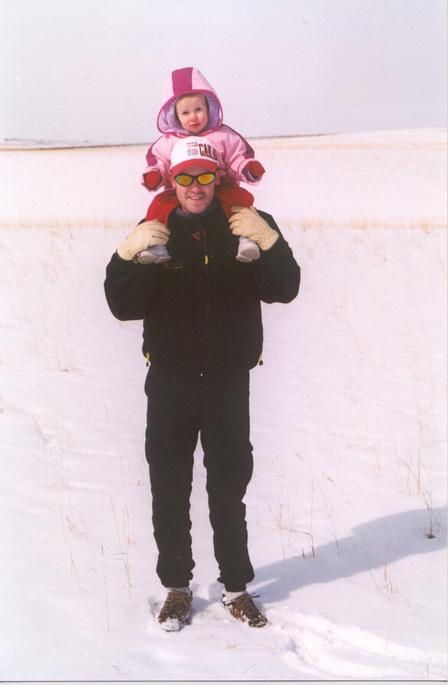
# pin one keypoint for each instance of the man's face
(195, 198)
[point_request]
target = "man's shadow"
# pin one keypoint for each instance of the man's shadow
(373, 545)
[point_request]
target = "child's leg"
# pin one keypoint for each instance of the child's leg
(162, 206)
(231, 195)
(160, 209)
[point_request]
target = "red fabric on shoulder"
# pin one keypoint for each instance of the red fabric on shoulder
(162, 206)
(230, 195)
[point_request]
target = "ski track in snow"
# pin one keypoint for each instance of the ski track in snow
(314, 645)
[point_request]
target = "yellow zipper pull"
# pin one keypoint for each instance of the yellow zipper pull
(148, 358)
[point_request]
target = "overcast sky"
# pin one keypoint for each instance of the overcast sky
(93, 70)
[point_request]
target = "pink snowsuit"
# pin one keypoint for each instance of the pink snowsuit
(234, 152)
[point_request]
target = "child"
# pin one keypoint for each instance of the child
(190, 107)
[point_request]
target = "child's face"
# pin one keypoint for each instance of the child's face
(192, 113)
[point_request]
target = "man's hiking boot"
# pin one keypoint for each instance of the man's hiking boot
(244, 609)
(175, 611)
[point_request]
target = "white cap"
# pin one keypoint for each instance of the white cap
(194, 151)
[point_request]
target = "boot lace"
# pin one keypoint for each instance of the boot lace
(244, 609)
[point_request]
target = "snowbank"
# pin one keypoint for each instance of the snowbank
(346, 509)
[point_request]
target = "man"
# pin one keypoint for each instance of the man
(202, 332)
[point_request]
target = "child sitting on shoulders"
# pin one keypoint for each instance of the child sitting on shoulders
(190, 107)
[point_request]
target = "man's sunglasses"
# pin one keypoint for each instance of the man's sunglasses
(203, 179)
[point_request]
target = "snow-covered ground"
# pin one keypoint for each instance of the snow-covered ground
(346, 510)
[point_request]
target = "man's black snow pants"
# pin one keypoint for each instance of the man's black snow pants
(179, 408)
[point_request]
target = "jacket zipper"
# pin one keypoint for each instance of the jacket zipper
(207, 300)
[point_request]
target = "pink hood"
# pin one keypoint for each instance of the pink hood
(181, 82)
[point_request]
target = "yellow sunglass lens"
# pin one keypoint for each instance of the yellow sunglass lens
(203, 179)
(184, 180)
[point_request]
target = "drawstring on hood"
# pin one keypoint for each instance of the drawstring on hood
(186, 81)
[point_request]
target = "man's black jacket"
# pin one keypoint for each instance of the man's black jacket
(202, 310)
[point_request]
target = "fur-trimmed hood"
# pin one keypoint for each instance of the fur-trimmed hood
(183, 82)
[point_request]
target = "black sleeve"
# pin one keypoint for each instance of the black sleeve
(130, 288)
(277, 271)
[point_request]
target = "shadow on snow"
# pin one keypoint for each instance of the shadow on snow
(373, 545)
